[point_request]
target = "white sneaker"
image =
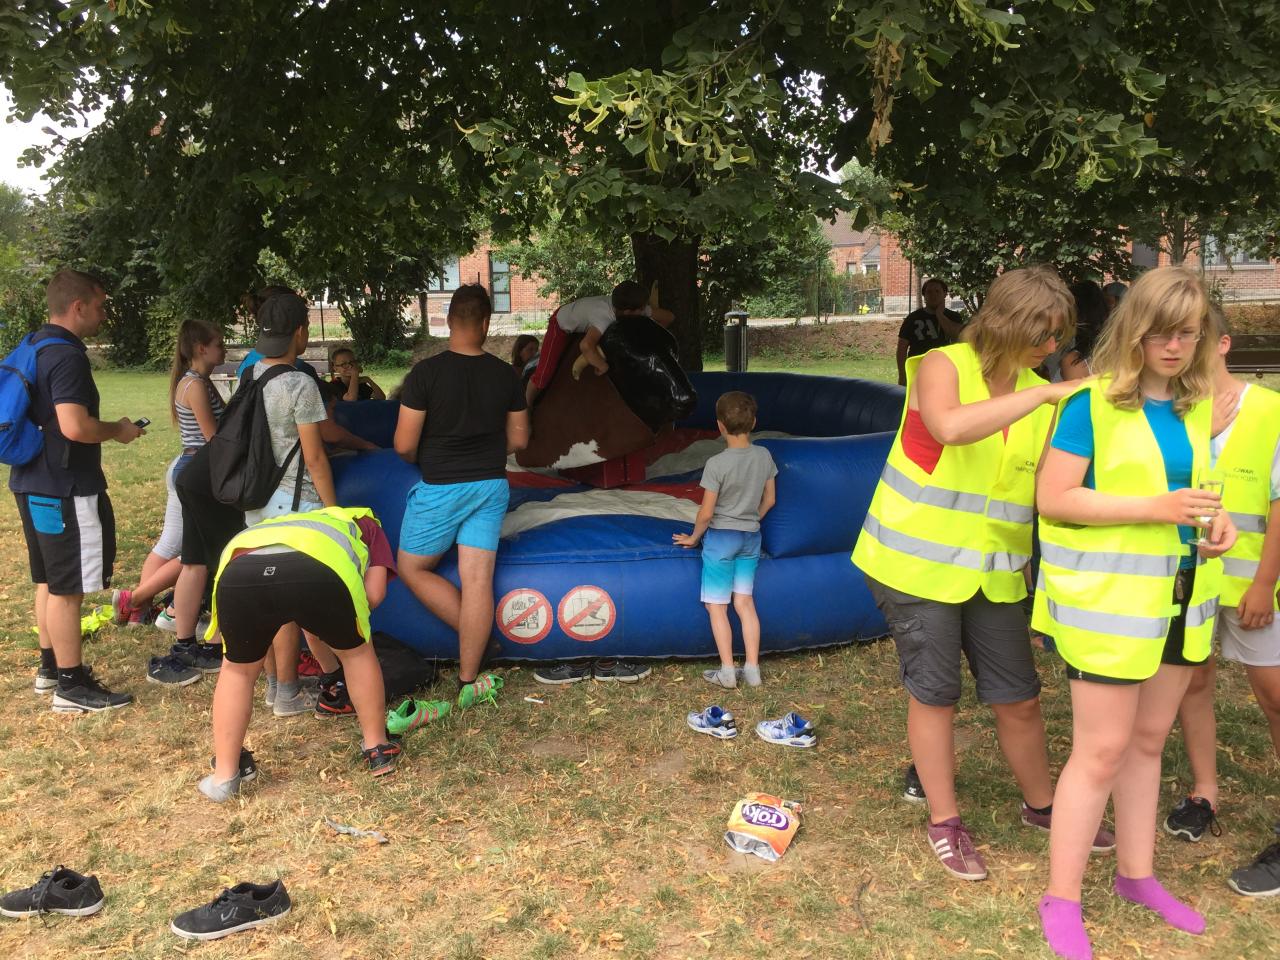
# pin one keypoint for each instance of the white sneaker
(165, 622)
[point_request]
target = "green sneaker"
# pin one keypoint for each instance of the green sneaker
(484, 689)
(414, 713)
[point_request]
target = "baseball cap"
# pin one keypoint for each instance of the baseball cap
(278, 319)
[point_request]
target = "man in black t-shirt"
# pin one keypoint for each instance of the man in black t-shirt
(62, 494)
(933, 325)
(461, 412)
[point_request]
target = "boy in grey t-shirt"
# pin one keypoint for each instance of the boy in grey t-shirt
(739, 490)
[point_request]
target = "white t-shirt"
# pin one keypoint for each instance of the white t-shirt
(1218, 444)
(578, 315)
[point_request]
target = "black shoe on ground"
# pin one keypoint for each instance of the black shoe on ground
(1191, 818)
(46, 680)
(1261, 878)
(89, 696)
(912, 788)
(171, 671)
(334, 701)
(382, 758)
(559, 674)
(248, 770)
(243, 907)
(205, 657)
(58, 891)
(620, 671)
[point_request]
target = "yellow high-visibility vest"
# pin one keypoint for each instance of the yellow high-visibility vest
(1105, 593)
(330, 536)
(966, 526)
(1245, 466)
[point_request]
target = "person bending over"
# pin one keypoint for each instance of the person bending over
(323, 570)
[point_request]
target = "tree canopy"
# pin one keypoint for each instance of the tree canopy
(362, 140)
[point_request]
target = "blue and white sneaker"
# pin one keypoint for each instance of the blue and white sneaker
(714, 722)
(792, 730)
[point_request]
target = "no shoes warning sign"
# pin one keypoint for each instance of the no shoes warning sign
(524, 615)
(587, 613)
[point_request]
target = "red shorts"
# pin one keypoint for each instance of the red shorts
(553, 345)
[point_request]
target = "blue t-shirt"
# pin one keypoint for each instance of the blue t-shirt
(253, 356)
(1074, 434)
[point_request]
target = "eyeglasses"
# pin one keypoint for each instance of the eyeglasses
(1164, 339)
(1044, 336)
(344, 365)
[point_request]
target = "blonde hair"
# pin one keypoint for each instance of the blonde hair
(1162, 301)
(1020, 305)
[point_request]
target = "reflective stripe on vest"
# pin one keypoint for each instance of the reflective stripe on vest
(1248, 522)
(1245, 464)
(1090, 561)
(337, 537)
(1116, 624)
(1236, 567)
(943, 553)
(1010, 512)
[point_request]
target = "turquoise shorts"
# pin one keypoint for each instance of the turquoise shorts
(729, 560)
(438, 515)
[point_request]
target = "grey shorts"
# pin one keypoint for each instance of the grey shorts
(931, 636)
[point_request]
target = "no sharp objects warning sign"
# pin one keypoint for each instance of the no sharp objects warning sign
(524, 615)
(587, 613)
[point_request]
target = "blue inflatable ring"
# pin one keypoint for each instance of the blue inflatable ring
(615, 586)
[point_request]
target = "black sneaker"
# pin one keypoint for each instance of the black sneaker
(248, 769)
(243, 907)
(620, 671)
(1191, 818)
(559, 674)
(171, 671)
(334, 701)
(912, 788)
(89, 696)
(58, 891)
(46, 680)
(1261, 878)
(382, 758)
(205, 657)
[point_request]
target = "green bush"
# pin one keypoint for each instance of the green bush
(22, 306)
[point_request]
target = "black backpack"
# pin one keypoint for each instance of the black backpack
(242, 465)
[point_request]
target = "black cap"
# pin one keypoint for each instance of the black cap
(629, 295)
(278, 320)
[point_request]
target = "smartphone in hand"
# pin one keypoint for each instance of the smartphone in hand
(142, 423)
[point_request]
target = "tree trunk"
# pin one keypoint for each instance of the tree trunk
(673, 265)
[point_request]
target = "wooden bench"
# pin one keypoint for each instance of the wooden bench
(1256, 353)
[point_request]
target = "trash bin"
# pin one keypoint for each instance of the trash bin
(735, 341)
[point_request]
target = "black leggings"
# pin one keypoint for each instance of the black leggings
(258, 593)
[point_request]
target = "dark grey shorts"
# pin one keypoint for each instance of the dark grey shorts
(931, 636)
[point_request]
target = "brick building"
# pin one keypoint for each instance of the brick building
(513, 296)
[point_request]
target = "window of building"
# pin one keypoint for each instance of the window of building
(500, 284)
(449, 280)
(1223, 253)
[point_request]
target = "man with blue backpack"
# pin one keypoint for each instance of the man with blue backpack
(51, 437)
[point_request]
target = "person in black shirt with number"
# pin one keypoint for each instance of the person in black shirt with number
(461, 412)
(933, 325)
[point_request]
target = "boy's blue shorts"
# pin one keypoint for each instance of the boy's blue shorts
(438, 515)
(729, 559)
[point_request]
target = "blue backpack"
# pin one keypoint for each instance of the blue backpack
(21, 438)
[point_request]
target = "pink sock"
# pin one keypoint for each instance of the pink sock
(1063, 927)
(1149, 893)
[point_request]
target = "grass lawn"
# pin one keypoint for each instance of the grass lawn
(590, 825)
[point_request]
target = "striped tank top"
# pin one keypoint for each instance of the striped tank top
(188, 426)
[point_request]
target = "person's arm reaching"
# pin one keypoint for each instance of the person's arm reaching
(375, 585)
(661, 316)
(340, 436)
(317, 462)
(590, 348)
(700, 523)
(75, 424)
(409, 432)
(377, 391)
(517, 430)
(954, 423)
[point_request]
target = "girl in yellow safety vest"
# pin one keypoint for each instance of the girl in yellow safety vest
(1128, 602)
(1246, 453)
(948, 536)
(323, 570)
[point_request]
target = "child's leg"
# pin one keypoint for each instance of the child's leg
(287, 645)
(324, 654)
(745, 606)
(232, 708)
(1266, 687)
(158, 574)
(364, 686)
(1200, 732)
(722, 632)
(187, 595)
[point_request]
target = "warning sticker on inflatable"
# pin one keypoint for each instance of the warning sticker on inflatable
(587, 613)
(524, 615)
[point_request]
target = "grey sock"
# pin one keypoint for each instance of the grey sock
(724, 677)
(751, 674)
(219, 792)
(287, 691)
(272, 683)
